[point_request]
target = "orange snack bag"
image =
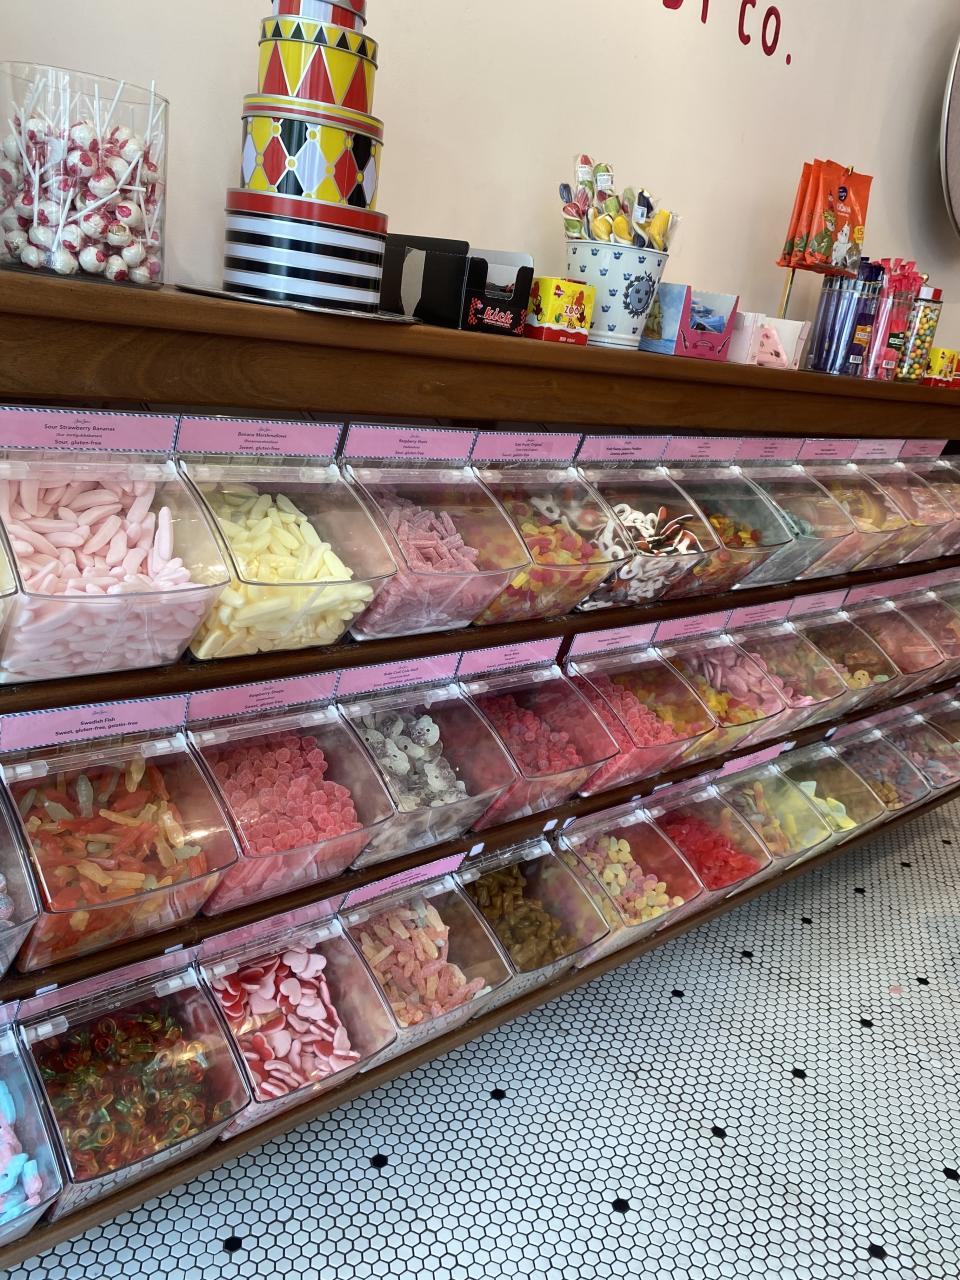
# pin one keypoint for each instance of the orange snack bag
(802, 237)
(835, 242)
(789, 243)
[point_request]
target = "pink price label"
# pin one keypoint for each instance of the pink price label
(31, 729)
(400, 442)
(852, 730)
(888, 717)
(778, 611)
(819, 602)
(622, 448)
(76, 429)
(866, 595)
(614, 640)
(945, 578)
(906, 586)
(531, 653)
(258, 437)
(922, 449)
(525, 446)
(827, 450)
(718, 449)
(397, 675)
(269, 695)
(317, 913)
(404, 880)
(754, 760)
(878, 450)
(702, 624)
(768, 449)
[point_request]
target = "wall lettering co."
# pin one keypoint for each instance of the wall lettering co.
(758, 24)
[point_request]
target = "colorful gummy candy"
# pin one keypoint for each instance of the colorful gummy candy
(284, 1020)
(531, 934)
(886, 772)
(21, 1183)
(939, 620)
(126, 1086)
(778, 814)
(107, 843)
(900, 640)
(794, 668)
(647, 738)
(734, 687)
(857, 660)
(407, 948)
(712, 851)
(639, 895)
(293, 591)
(929, 752)
(740, 551)
(832, 809)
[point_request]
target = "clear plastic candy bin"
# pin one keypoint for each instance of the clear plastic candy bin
(305, 558)
(809, 685)
(302, 1009)
(124, 841)
(887, 772)
(862, 665)
(747, 528)
(930, 517)
(303, 798)
(723, 850)
(560, 519)
(455, 549)
(840, 795)
(653, 715)
(778, 812)
(639, 879)
(432, 955)
(137, 1073)
(826, 539)
(667, 536)
(944, 479)
(931, 753)
(938, 620)
(945, 718)
(908, 647)
(442, 765)
(538, 911)
(878, 518)
(116, 566)
(18, 901)
(554, 739)
(29, 1176)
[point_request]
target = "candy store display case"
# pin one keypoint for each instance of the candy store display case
(552, 735)
(29, 1175)
(938, 620)
(907, 646)
(866, 670)
(636, 876)
(19, 908)
(125, 839)
(651, 712)
(748, 530)
(720, 846)
(944, 480)
(945, 718)
(888, 773)
(778, 812)
(810, 686)
(932, 520)
(874, 512)
(933, 754)
(302, 796)
(538, 911)
(301, 1006)
(842, 797)
(136, 1072)
(432, 955)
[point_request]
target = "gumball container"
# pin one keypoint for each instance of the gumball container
(136, 1073)
(115, 566)
(720, 846)
(932, 522)
(650, 711)
(455, 549)
(748, 530)
(866, 670)
(874, 512)
(667, 537)
(778, 812)
(440, 761)
(538, 911)
(847, 803)
(638, 879)
(574, 540)
(432, 955)
(553, 737)
(83, 176)
(944, 479)
(124, 841)
(887, 772)
(303, 799)
(809, 685)
(301, 1007)
(28, 1166)
(907, 646)
(933, 755)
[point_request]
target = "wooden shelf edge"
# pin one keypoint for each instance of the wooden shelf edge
(45, 1237)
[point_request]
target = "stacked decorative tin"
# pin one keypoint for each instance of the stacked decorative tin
(302, 226)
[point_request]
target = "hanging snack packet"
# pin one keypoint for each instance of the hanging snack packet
(839, 219)
(788, 245)
(802, 236)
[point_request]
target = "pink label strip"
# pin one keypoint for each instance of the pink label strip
(401, 443)
(613, 641)
(404, 880)
(768, 449)
(778, 611)
(525, 446)
(397, 675)
(851, 730)
(258, 437)
(719, 449)
(268, 695)
(878, 450)
(864, 595)
(922, 449)
(622, 448)
(753, 761)
(905, 586)
(77, 429)
(32, 729)
(702, 624)
(827, 450)
(318, 912)
(530, 653)
(820, 602)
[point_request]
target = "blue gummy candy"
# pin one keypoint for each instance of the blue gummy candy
(11, 1175)
(7, 1108)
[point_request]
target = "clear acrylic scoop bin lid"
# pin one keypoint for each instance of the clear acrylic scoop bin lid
(778, 812)
(938, 620)
(935, 757)
(638, 878)
(124, 841)
(301, 1006)
(433, 956)
(455, 549)
(553, 737)
(667, 536)
(719, 845)
(305, 558)
(115, 565)
(137, 1073)
(19, 908)
(877, 517)
(826, 539)
(908, 647)
(303, 798)
(930, 518)
(538, 911)
(845, 801)
(560, 519)
(944, 479)
(441, 763)
(862, 665)
(651, 712)
(747, 528)
(887, 772)
(809, 685)
(29, 1175)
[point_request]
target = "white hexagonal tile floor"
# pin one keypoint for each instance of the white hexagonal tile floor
(774, 1095)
